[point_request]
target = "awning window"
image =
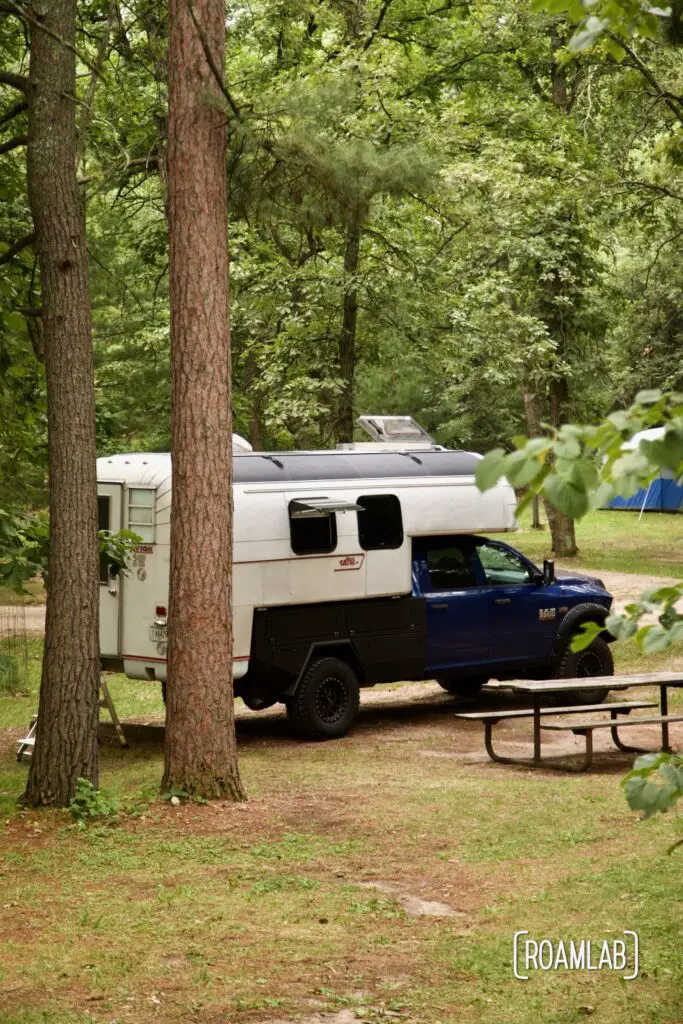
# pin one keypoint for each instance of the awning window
(316, 508)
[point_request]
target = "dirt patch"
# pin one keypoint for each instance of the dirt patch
(414, 906)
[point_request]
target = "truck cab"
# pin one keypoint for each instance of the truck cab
(491, 612)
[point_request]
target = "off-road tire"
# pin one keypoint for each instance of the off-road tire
(462, 686)
(595, 660)
(326, 701)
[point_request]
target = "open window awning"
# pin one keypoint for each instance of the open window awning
(315, 508)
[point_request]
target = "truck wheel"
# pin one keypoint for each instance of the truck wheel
(326, 701)
(595, 660)
(462, 686)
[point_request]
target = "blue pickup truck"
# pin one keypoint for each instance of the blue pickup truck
(479, 609)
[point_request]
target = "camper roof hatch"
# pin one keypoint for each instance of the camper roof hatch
(394, 428)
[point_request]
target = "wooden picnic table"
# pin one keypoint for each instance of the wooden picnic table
(538, 689)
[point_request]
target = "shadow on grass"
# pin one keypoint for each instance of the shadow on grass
(390, 720)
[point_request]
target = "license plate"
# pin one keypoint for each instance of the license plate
(158, 634)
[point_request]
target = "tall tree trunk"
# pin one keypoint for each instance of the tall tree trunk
(66, 740)
(347, 338)
(255, 403)
(201, 755)
(561, 526)
(562, 529)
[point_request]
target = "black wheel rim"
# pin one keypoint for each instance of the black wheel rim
(589, 664)
(331, 700)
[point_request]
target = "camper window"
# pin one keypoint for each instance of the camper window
(379, 523)
(314, 535)
(141, 512)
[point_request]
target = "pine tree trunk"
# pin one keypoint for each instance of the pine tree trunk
(201, 756)
(347, 338)
(562, 529)
(66, 741)
(562, 526)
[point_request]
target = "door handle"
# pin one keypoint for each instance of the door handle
(503, 600)
(439, 607)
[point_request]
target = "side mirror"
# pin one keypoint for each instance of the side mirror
(548, 572)
(114, 570)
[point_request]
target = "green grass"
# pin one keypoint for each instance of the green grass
(616, 541)
(33, 593)
(267, 910)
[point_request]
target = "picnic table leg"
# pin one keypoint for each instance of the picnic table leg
(488, 730)
(537, 731)
(615, 737)
(588, 756)
(664, 707)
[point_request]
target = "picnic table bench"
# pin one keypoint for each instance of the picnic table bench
(538, 689)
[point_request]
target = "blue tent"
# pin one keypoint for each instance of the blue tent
(665, 493)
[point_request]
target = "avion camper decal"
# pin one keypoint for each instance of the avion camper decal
(349, 562)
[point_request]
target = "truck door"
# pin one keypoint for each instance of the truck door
(522, 615)
(109, 500)
(458, 610)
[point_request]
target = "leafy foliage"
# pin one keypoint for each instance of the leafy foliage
(90, 805)
(655, 785)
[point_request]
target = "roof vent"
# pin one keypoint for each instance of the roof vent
(394, 428)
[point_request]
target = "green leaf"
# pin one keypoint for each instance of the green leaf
(588, 35)
(653, 639)
(569, 448)
(650, 397)
(565, 496)
(620, 627)
(490, 469)
(521, 469)
(14, 322)
(666, 451)
(585, 636)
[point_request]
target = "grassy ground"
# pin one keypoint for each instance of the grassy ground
(297, 902)
(33, 593)
(617, 541)
(294, 904)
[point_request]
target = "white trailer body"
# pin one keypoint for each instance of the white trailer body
(275, 495)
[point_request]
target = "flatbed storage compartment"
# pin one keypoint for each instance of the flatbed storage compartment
(387, 636)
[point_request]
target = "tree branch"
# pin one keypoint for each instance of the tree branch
(19, 82)
(378, 24)
(13, 143)
(21, 243)
(673, 102)
(23, 13)
(13, 112)
(215, 71)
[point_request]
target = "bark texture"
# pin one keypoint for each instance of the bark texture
(201, 755)
(66, 742)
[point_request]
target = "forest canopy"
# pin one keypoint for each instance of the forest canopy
(444, 209)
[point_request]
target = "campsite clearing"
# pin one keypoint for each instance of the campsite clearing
(307, 899)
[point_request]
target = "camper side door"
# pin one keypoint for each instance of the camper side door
(109, 505)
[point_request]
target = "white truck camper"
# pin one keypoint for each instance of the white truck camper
(328, 550)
